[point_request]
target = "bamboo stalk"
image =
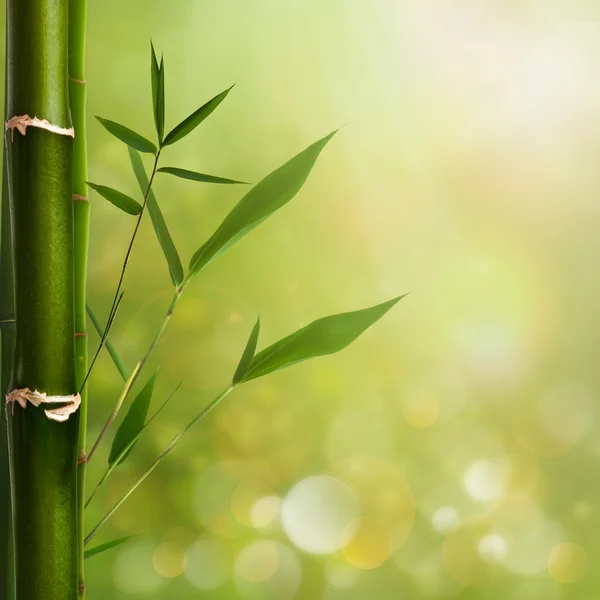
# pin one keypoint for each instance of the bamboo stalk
(7, 327)
(81, 211)
(43, 452)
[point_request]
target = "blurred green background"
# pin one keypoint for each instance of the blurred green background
(452, 451)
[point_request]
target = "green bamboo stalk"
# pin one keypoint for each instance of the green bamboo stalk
(7, 327)
(81, 211)
(43, 453)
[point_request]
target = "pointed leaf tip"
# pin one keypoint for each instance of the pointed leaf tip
(119, 199)
(269, 195)
(327, 335)
(190, 123)
(248, 354)
(133, 423)
(128, 136)
(107, 546)
(195, 176)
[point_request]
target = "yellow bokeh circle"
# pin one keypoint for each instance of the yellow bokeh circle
(567, 563)
(370, 545)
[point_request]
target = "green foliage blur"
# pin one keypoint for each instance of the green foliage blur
(451, 451)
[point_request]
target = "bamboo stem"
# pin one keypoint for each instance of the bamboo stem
(158, 460)
(7, 327)
(138, 370)
(43, 453)
(81, 212)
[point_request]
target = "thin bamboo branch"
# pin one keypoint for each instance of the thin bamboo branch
(157, 461)
(109, 345)
(129, 446)
(138, 370)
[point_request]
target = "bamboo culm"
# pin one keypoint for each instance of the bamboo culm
(81, 211)
(42, 452)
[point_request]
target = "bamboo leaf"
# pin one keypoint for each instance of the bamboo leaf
(160, 227)
(112, 351)
(158, 93)
(324, 336)
(273, 192)
(133, 423)
(188, 125)
(107, 546)
(248, 354)
(154, 74)
(128, 136)
(128, 447)
(194, 176)
(119, 199)
(205, 411)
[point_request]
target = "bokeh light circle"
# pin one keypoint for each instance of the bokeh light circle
(316, 514)
(567, 563)
(208, 564)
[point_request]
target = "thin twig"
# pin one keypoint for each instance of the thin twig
(115, 302)
(157, 461)
(109, 325)
(130, 445)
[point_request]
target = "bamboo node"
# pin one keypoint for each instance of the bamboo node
(69, 404)
(22, 122)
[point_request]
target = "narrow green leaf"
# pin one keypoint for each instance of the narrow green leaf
(248, 354)
(159, 109)
(128, 136)
(205, 411)
(324, 336)
(127, 448)
(107, 546)
(109, 345)
(194, 176)
(154, 74)
(160, 227)
(133, 423)
(119, 199)
(158, 93)
(273, 192)
(188, 125)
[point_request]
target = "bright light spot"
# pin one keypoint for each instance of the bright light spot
(169, 560)
(257, 562)
(530, 538)
(208, 564)
(493, 351)
(370, 544)
(445, 519)
(316, 514)
(492, 548)
(267, 569)
(485, 481)
(265, 511)
(567, 563)
(133, 572)
(421, 410)
(244, 499)
(341, 574)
